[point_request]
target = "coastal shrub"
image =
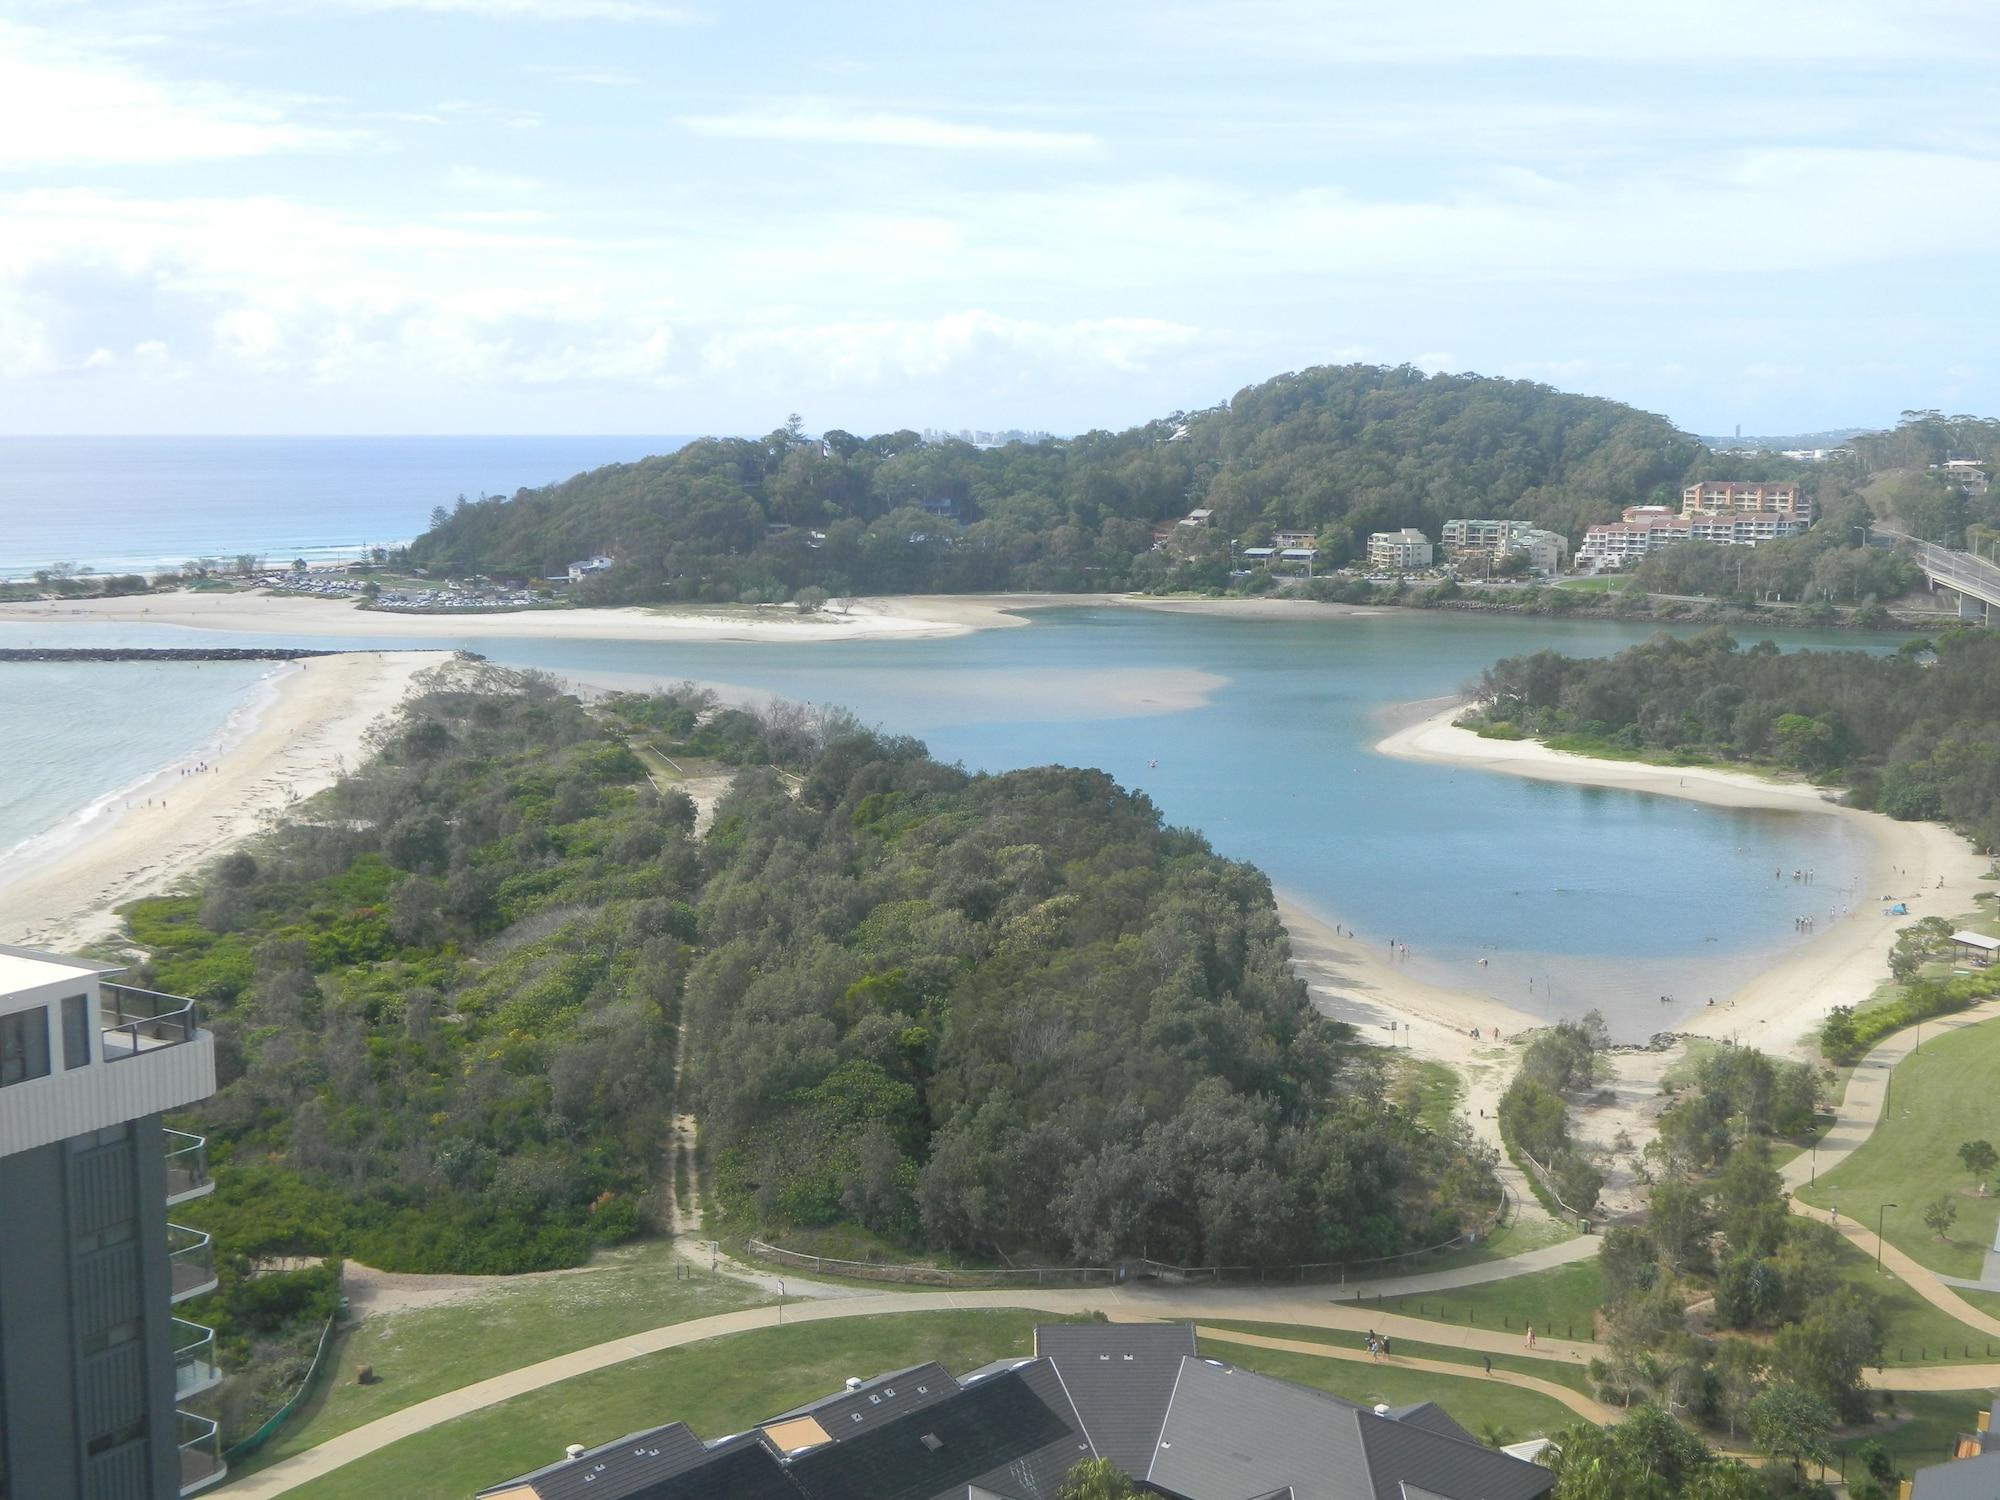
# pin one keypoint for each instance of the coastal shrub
(1845, 1037)
(959, 1012)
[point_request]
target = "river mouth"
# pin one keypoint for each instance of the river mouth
(1261, 733)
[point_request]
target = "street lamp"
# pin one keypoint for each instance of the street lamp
(781, 1302)
(1878, 1231)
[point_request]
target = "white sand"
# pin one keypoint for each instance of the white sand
(298, 742)
(917, 617)
(903, 617)
(1779, 1008)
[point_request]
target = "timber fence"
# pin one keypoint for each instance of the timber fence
(1137, 1269)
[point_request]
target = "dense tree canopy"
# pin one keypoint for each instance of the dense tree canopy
(1913, 735)
(1339, 451)
(957, 1010)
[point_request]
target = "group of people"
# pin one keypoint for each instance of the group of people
(1378, 1345)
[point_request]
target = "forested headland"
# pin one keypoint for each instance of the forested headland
(965, 1012)
(1337, 451)
(1915, 734)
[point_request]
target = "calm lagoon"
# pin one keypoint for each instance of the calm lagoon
(1259, 732)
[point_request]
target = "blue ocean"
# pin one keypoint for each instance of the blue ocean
(138, 504)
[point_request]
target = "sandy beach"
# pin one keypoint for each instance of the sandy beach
(903, 617)
(1778, 1008)
(917, 617)
(309, 727)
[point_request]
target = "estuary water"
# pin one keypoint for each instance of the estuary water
(1259, 733)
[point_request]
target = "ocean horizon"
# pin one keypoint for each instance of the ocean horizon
(142, 504)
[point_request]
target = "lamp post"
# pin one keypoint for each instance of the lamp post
(1878, 1231)
(781, 1302)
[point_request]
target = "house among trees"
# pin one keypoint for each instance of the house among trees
(578, 571)
(1135, 1395)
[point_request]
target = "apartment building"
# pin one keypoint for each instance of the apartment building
(1615, 544)
(1546, 551)
(1399, 551)
(1725, 497)
(96, 1368)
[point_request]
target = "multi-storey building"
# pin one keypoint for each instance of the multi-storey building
(1545, 550)
(1399, 551)
(96, 1370)
(1722, 497)
(1647, 527)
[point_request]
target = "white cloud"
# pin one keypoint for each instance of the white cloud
(464, 179)
(1715, 33)
(842, 126)
(606, 78)
(537, 10)
(870, 352)
(66, 106)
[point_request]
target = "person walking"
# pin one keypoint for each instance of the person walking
(1531, 1335)
(1487, 1360)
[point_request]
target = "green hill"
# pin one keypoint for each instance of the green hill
(1339, 451)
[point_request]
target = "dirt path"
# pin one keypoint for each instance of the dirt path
(371, 1293)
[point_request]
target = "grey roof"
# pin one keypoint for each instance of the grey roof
(1231, 1432)
(844, 1414)
(1432, 1418)
(1039, 1475)
(1961, 1479)
(614, 1470)
(1120, 1377)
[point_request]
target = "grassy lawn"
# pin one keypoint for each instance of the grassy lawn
(418, 1354)
(1939, 1096)
(1931, 1423)
(1432, 1088)
(1558, 1302)
(726, 1384)
(1913, 1331)
(1557, 1372)
(1483, 1407)
(1592, 585)
(717, 1387)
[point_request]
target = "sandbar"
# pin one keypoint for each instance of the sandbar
(308, 730)
(901, 617)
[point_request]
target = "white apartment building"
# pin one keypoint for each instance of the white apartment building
(1645, 527)
(1546, 551)
(97, 1371)
(1399, 551)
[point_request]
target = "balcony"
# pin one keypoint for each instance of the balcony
(136, 1021)
(187, 1167)
(191, 1260)
(200, 1442)
(195, 1369)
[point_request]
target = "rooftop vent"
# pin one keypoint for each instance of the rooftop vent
(853, 1383)
(931, 1441)
(573, 1452)
(1381, 1411)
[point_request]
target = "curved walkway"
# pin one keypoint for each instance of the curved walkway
(1853, 1123)
(1310, 1308)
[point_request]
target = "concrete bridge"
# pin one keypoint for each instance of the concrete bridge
(1974, 580)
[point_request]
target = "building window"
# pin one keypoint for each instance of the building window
(24, 1045)
(76, 1031)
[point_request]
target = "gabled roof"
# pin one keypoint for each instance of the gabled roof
(1121, 1378)
(620, 1469)
(1231, 1432)
(982, 1431)
(849, 1413)
(1961, 1479)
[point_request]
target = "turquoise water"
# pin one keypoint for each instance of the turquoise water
(76, 735)
(1574, 896)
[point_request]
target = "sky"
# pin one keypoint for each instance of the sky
(578, 216)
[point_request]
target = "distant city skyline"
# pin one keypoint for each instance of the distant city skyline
(591, 216)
